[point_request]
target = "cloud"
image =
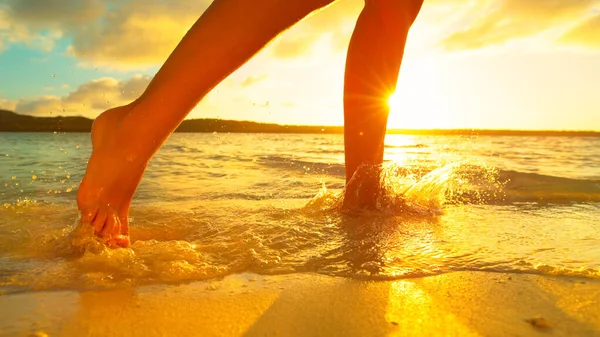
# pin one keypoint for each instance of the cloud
(587, 33)
(496, 22)
(88, 99)
(137, 33)
(336, 21)
(251, 80)
(57, 13)
(458, 24)
(142, 33)
(134, 33)
(13, 31)
(290, 48)
(6, 104)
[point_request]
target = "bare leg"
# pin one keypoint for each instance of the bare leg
(372, 67)
(125, 138)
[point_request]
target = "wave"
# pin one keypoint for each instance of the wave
(412, 146)
(454, 183)
(294, 164)
(175, 248)
(330, 235)
(421, 189)
(525, 187)
(467, 182)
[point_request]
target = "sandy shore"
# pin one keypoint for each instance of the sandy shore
(456, 304)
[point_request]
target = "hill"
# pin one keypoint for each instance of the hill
(13, 122)
(10, 121)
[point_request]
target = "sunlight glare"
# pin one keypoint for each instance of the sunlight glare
(393, 101)
(419, 102)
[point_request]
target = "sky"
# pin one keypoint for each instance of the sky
(486, 64)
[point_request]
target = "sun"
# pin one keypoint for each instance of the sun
(419, 101)
(393, 101)
(413, 109)
(406, 113)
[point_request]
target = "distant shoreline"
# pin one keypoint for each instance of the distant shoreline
(13, 122)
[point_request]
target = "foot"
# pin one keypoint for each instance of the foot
(363, 189)
(113, 174)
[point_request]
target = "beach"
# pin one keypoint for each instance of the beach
(473, 236)
(318, 168)
(454, 304)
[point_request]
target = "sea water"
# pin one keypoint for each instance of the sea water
(215, 204)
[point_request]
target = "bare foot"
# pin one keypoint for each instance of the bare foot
(363, 189)
(113, 174)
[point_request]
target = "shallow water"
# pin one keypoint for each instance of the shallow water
(216, 204)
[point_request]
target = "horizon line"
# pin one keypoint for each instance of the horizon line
(316, 126)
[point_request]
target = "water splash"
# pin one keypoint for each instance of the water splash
(422, 221)
(395, 190)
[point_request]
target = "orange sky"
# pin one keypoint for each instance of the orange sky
(469, 64)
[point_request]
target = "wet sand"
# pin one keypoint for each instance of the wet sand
(455, 304)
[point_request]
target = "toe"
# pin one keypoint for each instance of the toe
(124, 221)
(88, 214)
(112, 232)
(119, 241)
(111, 228)
(99, 221)
(122, 241)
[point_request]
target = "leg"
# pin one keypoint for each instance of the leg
(125, 138)
(372, 66)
